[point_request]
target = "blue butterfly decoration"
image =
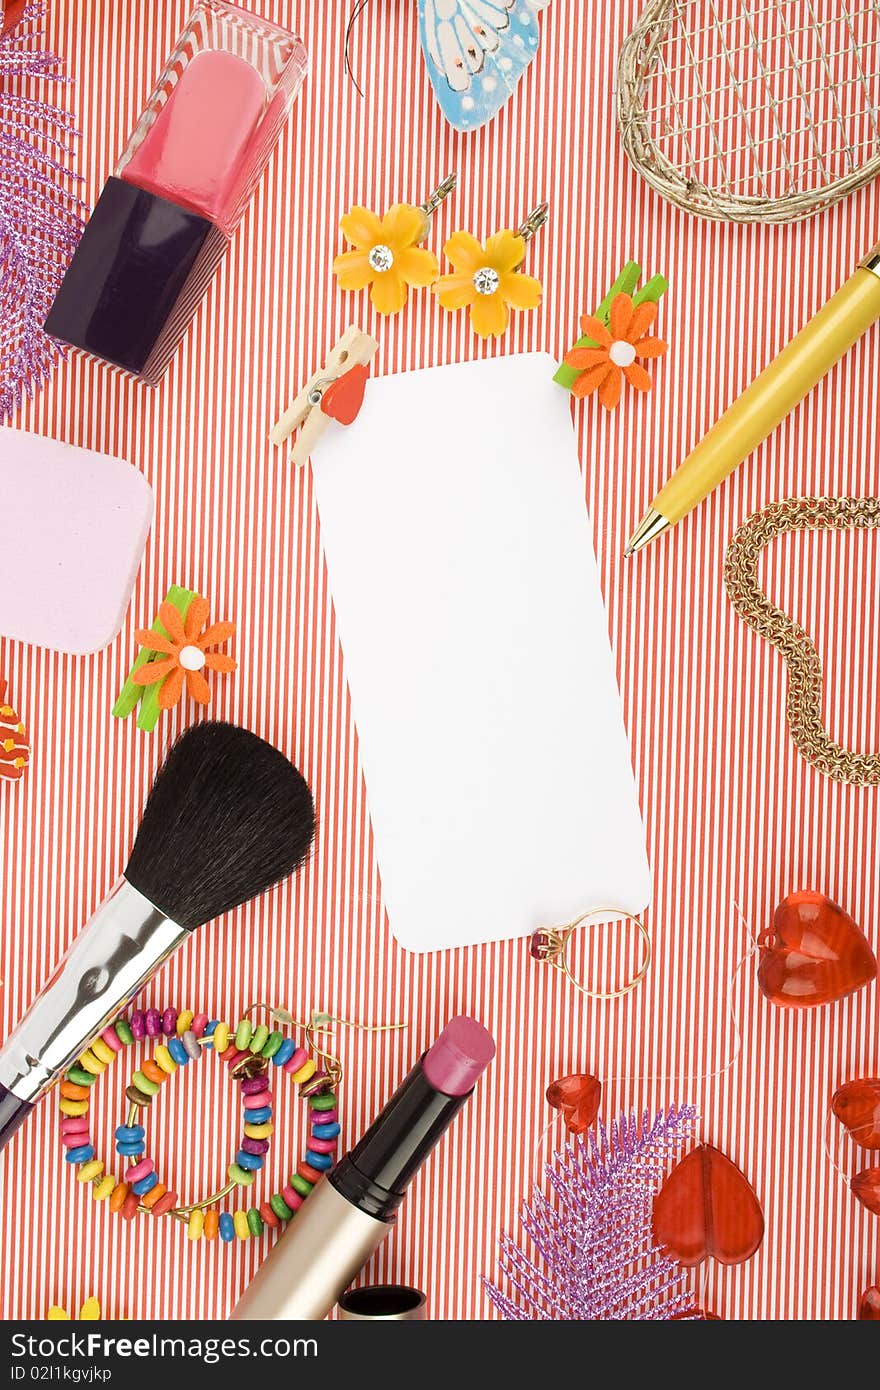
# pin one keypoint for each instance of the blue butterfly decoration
(476, 51)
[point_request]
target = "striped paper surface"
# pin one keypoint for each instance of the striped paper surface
(734, 818)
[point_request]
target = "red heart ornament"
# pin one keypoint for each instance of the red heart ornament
(857, 1106)
(10, 15)
(813, 954)
(707, 1207)
(869, 1304)
(695, 1315)
(866, 1186)
(344, 397)
(578, 1098)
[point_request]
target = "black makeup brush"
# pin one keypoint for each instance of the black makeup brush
(227, 817)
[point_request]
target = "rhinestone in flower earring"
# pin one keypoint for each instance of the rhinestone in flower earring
(387, 256)
(487, 280)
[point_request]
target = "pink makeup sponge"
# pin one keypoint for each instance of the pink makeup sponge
(73, 526)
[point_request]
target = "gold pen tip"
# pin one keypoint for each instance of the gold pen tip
(652, 524)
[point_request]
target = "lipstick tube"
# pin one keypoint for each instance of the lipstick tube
(167, 213)
(352, 1209)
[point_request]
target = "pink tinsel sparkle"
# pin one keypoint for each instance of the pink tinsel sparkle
(40, 212)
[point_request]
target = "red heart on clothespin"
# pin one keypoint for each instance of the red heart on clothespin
(344, 397)
(577, 1098)
(707, 1207)
(813, 954)
(857, 1107)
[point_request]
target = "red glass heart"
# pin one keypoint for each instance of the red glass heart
(578, 1098)
(11, 15)
(866, 1186)
(813, 954)
(695, 1315)
(344, 397)
(707, 1207)
(869, 1304)
(857, 1106)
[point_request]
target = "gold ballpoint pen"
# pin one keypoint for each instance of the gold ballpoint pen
(765, 404)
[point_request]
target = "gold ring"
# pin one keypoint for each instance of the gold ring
(550, 945)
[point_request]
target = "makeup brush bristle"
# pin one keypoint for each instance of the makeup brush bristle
(227, 817)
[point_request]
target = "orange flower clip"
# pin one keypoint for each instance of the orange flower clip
(184, 653)
(387, 257)
(618, 347)
(487, 279)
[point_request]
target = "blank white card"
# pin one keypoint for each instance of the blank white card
(475, 644)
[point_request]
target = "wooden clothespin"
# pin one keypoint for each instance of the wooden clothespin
(333, 393)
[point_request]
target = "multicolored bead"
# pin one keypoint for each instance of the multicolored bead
(280, 1207)
(255, 1146)
(284, 1053)
(255, 1117)
(165, 1060)
(325, 1101)
(112, 1039)
(123, 1031)
(80, 1077)
(82, 1154)
(145, 1185)
(240, 1175)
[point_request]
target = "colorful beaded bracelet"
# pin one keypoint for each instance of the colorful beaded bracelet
(248, 1052)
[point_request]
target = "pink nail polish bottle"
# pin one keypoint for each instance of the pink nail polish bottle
(181, 187)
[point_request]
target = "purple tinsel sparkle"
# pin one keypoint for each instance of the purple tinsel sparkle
(595, 1258)
(40, 212)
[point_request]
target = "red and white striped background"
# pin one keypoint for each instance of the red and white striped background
(733, 815)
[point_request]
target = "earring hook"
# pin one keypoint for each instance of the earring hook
(443, 190)
(320, 1022)
(533, 222)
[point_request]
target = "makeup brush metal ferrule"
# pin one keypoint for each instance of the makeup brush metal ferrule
(112, 957)
(228, 817)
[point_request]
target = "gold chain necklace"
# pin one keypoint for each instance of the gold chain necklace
(804, 699)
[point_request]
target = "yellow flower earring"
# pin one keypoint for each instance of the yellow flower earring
(487, 279)
(387, 255)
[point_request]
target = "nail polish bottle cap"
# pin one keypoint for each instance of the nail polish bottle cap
(137, 271)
